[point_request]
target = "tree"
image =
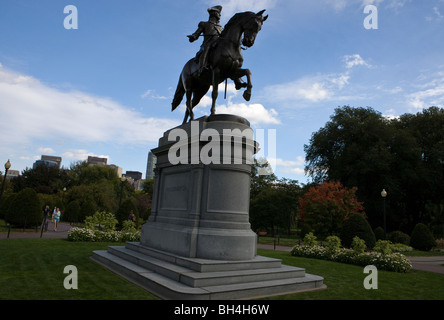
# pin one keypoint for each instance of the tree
(260, 181)
(43, 179)
(267, 209)
(324, 208)
(148, 187)
(25, 209)
(273, 202)
(357, 226)
(422, 238)
(72, 212)
(359, 147)
(124, 210)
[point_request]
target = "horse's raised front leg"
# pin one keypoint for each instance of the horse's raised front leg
(247, 92)
(239, 74)
(238, 83)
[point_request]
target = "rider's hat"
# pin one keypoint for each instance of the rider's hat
(217, 9)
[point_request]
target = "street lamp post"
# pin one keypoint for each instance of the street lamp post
(7, 166)
(384, 195)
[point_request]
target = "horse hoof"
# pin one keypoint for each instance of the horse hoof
(240, 86)
(247, 95)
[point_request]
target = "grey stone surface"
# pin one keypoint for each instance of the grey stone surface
(201, 210)
(174, 277)
(198, 243)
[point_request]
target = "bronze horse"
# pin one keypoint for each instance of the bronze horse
(225, 60)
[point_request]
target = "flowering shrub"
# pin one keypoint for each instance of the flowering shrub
(399, 247)
(100, 228)
(390, 262)
(440, 243)
(88, 235)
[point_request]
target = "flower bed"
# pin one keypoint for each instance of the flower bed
(390, 262)
(89, 235)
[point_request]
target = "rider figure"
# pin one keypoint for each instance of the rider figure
(210, 30)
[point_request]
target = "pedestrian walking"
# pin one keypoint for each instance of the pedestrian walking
(56, 218)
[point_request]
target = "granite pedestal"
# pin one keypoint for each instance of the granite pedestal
(198, 243)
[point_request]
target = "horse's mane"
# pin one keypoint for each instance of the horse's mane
(234, 20)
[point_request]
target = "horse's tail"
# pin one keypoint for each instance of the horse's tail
(178, 96)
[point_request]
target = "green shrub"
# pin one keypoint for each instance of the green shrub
(392, 262)
(6, 205)
(379, 233)
(129, 226)
(25, 209)
(399, 237)
(87, 209)
(357, 225)
(309, 239)
(383, 246)
(333, 243)
(72, 212)
(358, 245)
(101, 221)
(124, 211)
(399, 247)
(422, 238)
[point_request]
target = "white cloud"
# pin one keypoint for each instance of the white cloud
(255, 113)
(437, 13)
(152, 95)
(312, 89)
(431, 92)
(338, 5)
(47, 151)
(80, 155)
(289, 166)
(230, 7)
(32, 111)
(354, 60)
(41, 111)
(322, 87)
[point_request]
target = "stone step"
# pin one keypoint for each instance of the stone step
(203, 265)
(200, 279)
(168, 288)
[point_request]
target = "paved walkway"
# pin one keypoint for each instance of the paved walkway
(61, 233)
(432, 264)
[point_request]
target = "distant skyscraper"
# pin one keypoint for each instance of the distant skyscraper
(48, 161)
(151, 164)
(135, 175)
(97, 160)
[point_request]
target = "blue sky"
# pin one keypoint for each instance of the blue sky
(105, 89)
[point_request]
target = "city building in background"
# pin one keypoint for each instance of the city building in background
(50, 161)
(151, 164)
(92, 161)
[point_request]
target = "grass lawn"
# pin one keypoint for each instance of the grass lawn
(32, 269)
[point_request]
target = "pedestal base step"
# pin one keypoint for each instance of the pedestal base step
(172, 277)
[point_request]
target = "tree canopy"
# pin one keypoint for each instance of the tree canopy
(360, 147)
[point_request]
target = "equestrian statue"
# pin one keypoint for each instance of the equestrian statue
(218, 59)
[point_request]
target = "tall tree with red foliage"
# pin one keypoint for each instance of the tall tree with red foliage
(323, 208)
